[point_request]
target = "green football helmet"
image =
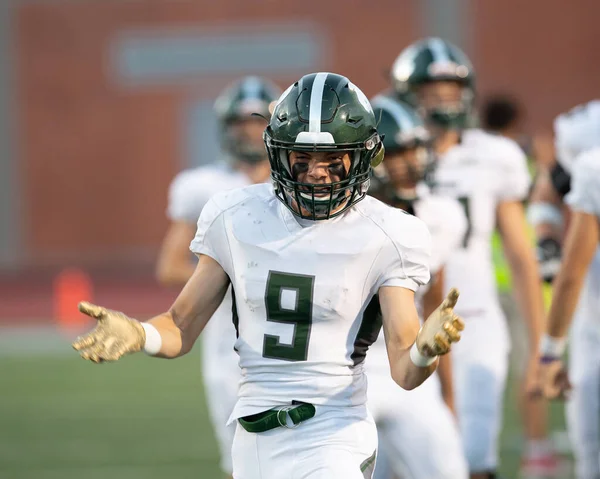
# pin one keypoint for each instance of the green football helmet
(323, 112)
(245, 97)
(432, 60)
(403, 129)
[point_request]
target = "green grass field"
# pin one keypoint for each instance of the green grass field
(63, 418)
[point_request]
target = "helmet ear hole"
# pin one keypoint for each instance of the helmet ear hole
(378, 156)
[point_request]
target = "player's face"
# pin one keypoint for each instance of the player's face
(439, 94)
(249, 133)
(405, 168)
(319, 168)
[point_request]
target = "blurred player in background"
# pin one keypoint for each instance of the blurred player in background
(246, 162)
(577, 299)
(418, 433)
(576, 178)
(503, 115)
(488, 175)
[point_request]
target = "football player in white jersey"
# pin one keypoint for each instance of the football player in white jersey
(418, 433)
(575, 132)
(576, 299)
(246, 163)
(488, 175)
(305, 259)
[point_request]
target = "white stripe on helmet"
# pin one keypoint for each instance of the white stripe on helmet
(314, 134)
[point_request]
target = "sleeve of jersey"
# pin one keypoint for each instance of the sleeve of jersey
(211, 238)
(585, 187)
(184, 202)
(514, 174)
(406, 257)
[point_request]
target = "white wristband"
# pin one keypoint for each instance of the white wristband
(420, 360)
(153, 339)
(552, 347)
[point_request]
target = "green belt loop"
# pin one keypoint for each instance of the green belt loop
(273, 418)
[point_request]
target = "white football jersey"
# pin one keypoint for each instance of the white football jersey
(585, 183)
(189, 192)
(480, 172)
(191, 189)
(576, 131)
(301, 290)
(447, 224)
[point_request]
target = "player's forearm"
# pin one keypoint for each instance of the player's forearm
(564, 302)
(179, 330)
(404, 371)
(581, 245)
(192, 309)
(528, 293)
(445, 374)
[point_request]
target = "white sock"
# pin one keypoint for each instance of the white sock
(536, 448)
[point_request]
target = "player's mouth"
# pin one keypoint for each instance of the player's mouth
(319, 192)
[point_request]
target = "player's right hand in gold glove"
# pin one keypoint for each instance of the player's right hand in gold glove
(441, 329)
(114, 336)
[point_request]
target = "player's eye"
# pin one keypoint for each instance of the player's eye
(299, 167)
(337, 169)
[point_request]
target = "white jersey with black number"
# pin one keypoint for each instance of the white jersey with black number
(301, 290)
(576, 131)
(480, 172)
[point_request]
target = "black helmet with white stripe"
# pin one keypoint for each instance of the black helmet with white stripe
(237, 103)
(408, 147)
(434, 60)
(323, 112)
(399, 124)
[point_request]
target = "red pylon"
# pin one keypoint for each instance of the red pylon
(71, 286)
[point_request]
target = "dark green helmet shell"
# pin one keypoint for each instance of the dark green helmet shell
(323, 112)
(399, 124)
(403, 129)
(247, 96)
(429, 60)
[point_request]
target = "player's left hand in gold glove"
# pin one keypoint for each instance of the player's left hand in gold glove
(441, 329)
(114, 336)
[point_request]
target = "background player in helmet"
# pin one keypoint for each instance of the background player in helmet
(246, 163)
(488, 175)
(304, 260)
(418, 434)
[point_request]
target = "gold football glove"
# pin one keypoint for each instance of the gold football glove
(114, 336)
(441, 329)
